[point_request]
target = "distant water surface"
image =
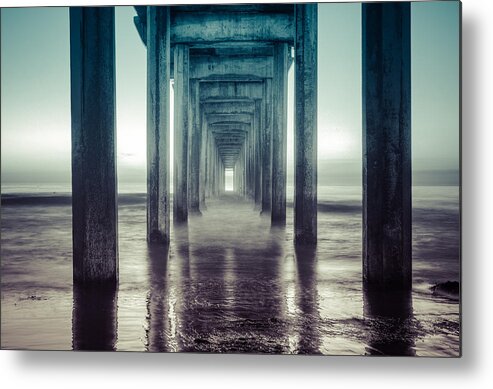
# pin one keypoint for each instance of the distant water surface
(228, 283)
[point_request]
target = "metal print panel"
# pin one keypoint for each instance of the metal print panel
(255, 178)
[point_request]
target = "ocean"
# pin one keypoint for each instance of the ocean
(228, 282)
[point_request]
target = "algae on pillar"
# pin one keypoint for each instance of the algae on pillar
(386, 145)
(94, 193)
(305, 139)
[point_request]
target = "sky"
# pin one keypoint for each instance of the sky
(35, 94)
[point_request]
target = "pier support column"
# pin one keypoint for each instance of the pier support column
(305, 139)
(182, 98)
(94, 193)
(386, 146)
(257, 156)
(279, 133)
(208, 163)
(158, 126)
(267, 147)
(195, 147)
(203, 160)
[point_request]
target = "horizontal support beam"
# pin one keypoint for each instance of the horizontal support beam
(228, 119)
(216, 67)
(188, 27)
(212, 24)
(231, 89)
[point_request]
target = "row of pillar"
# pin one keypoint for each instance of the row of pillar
(260, 171)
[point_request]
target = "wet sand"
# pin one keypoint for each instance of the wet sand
(228, 283)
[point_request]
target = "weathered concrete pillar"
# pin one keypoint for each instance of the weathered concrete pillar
(386, 145)
(195, 147)
(158, 126)
(208, 163)
(251, 158)
(223, 178)
(267, 148)
(279, 133)
(203, 160)
(180, 179)
(212, 164)
(94, 196)
(257, 131)
(248, 162)
(218, 172)
(305, 139)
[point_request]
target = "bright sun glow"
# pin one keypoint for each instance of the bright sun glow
(336, 142)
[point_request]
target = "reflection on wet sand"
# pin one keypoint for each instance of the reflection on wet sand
(307, 300)
(229, 283)
(227, 286)
(158, 326)
(391, 323)
(94, 318)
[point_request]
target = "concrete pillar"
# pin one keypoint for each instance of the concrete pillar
(251, 158)
(267, 148)
(158, 126)
(248, 161)
(208, 163)
(223, 178)
(211, 167)
(203, 160)
(180, 180)
(386, 145)
(257, 131)
(218, 172)
(305, 139)
(195, 147)
(94, 193)
(211, 164)
(279, 133)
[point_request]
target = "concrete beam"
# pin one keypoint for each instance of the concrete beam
(305, 139)
(386, 145)
(94, 193)
(214, 67)
(232, 89)
(212, 26)
(228, 119)
(234, 25)
(227, 107)
(158, 126)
